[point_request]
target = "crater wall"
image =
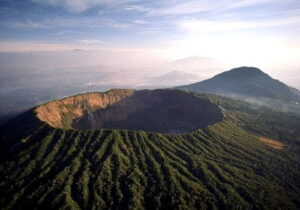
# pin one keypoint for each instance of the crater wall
(165, 111)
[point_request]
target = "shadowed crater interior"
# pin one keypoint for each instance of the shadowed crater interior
(165, 111)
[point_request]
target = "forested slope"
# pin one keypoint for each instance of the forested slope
(221, 166)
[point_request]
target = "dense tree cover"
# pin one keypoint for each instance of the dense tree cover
(260, 120)
(223, 166)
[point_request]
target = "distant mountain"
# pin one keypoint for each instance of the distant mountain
(193, 64)
(195, 61)
(246, 81)
(173, 78)
(178, 76)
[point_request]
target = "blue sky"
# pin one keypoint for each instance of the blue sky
(138, 23)
(262, 33)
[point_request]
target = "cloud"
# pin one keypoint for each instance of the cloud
(90, 41)
(71, 24)
(142, 22)
(76, 5)
(87, 22)
(195, 25)
(30, 46)
(23, 46)
(249, 3)
(27, 24)
(137, 8)
(189, 7)
(193, 7)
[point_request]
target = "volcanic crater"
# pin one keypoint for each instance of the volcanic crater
(163, 111)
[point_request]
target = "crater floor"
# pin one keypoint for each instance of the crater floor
(164, 111)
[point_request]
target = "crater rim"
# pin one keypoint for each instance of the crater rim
(172, 111)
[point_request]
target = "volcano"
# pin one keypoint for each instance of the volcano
(158, 149)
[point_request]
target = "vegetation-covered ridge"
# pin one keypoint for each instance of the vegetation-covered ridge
(222, 166)
(246, 81)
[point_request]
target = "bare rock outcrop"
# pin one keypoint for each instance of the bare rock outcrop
(58, 113)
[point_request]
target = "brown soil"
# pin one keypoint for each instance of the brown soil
(273, 143)
(166, 111)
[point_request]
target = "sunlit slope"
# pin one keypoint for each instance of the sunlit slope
(224, 165)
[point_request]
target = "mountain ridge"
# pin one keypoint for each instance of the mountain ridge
(247, 81)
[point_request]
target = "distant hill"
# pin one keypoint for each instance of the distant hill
(194, 62)
(178, 76)
(172, 78)
(246, 81)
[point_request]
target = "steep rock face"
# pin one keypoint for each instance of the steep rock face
(73, 107)
(166, 111)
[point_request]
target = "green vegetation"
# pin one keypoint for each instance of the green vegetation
(252, 85)
(222, 166)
